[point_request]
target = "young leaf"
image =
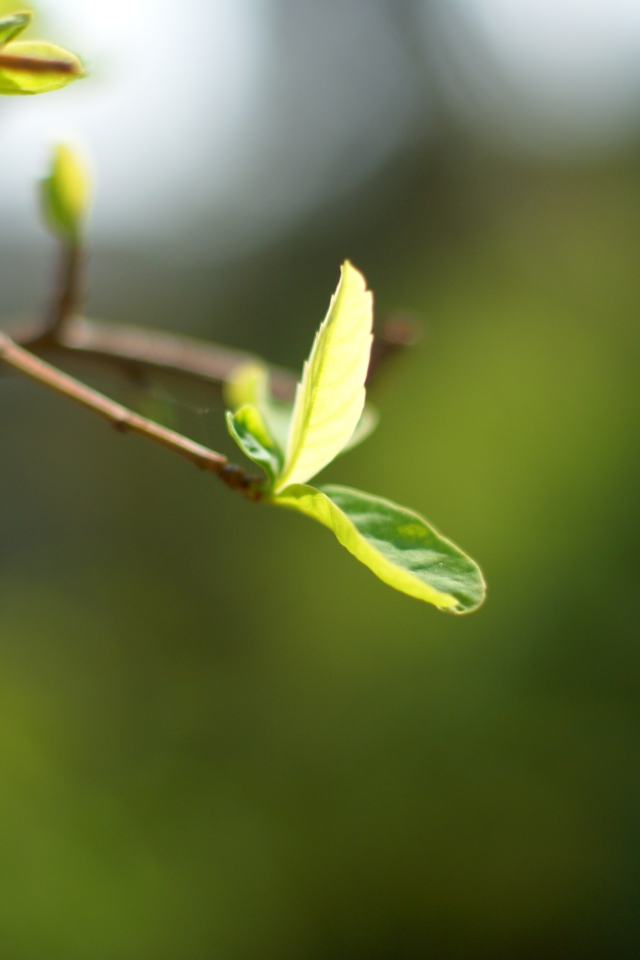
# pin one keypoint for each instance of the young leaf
(65, 193)
(330, 397)
(248, 430)
(398, 545)
(14, 24)
(249, 383)
(35, 66)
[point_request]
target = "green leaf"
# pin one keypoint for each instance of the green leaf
(330, 397)
(249, 383)
(247, 428)
(14, 24)
(35, 66)
(65, 193)
(398, 545)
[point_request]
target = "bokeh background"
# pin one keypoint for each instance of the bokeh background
(220, 737)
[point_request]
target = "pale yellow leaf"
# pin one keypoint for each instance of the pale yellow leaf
(331, 394)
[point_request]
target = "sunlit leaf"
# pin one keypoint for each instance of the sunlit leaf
(14, 24)
(330, 397)
(247, 428)
(278, 417)
(398, 545)
(35, 66)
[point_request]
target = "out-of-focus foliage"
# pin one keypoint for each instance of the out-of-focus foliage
(32, 66)
(63, 68)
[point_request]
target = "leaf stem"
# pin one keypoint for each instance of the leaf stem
(126, 420)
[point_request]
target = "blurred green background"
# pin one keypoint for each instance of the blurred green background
(220, 736)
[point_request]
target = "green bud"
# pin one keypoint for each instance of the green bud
(66, 194)
(247, 383)
(11, 26)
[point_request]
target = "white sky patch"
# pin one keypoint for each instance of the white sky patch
(164, 113)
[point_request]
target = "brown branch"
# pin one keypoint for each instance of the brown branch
(125, 420)
(166, 351)
(162, 351)
(12, 61)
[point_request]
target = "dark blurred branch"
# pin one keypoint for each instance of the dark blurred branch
(165, 351)
(400, 331)
(140, 347)
(125, 420)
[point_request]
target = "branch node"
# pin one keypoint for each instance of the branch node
(238, 479)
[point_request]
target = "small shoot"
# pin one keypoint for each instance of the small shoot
(249, 430)
(29, 67)
(249, 383)
(66, 194)
(328, 416)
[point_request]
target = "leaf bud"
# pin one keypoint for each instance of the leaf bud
(66, 193)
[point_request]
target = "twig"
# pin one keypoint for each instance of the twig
(159, 350)
(166, 351)
(67, 295)
(125, 420)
